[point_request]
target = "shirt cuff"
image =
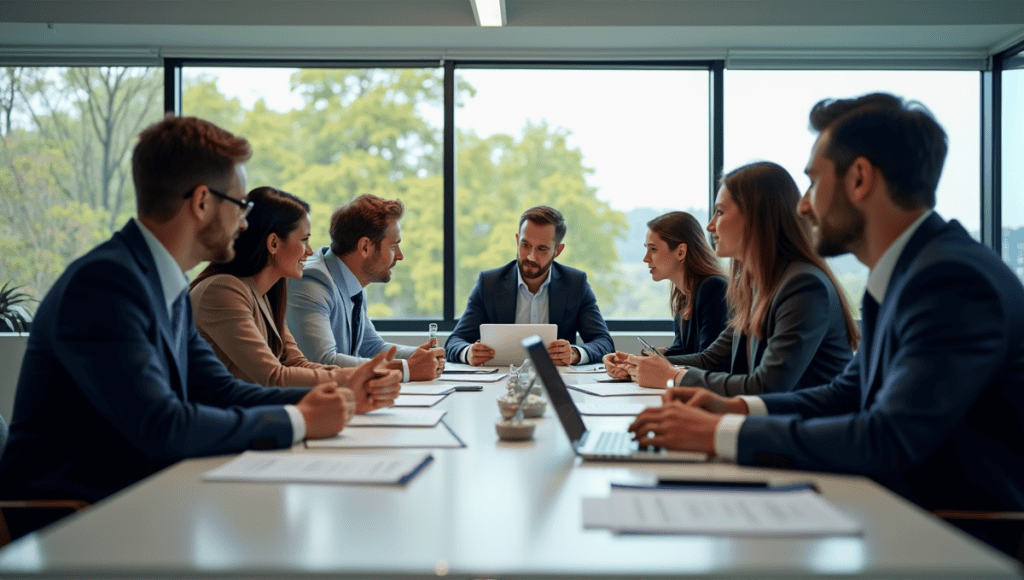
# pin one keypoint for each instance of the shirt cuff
(464, 355)
(755, 405)
(727, 436)
(298, 423)
(405, 370)
(584, 357)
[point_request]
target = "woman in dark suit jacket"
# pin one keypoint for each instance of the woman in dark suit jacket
(677, 250)
(239, 306)
(790, 325)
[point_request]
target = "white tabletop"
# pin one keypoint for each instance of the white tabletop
(493, 509)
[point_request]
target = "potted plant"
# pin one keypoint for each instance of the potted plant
(13, 315)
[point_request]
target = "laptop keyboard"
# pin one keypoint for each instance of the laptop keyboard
(614, 443)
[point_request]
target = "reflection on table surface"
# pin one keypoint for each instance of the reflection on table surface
(491, 509)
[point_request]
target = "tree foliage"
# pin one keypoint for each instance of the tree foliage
(66, 176)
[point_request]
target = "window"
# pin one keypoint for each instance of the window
(329, 135)
(766, 117)
(610, 149)
(1013, 171)
(65, 163)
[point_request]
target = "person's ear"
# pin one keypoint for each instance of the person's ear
(199, 204)
(681, 252)
(273, 243)
(860, 179)
(364, 246)
(559, 249)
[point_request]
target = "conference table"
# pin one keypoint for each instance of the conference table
(492, 509)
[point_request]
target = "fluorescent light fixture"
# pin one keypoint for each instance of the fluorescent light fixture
(489, 12)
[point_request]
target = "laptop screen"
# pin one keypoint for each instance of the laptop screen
(549, 376)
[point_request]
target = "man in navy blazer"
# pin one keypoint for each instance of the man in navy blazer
(116, 383)
(534, 289)
(932, 404)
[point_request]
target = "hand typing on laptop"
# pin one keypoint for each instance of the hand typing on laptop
(676, 426)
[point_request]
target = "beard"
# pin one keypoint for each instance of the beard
(379, 269)
(840, 228)
(219, 245)
(540, 271)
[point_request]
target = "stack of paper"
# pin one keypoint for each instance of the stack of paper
(767, 512)
(309, 468)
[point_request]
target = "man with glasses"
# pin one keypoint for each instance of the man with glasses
(116, 383)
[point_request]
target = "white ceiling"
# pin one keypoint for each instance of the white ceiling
(600, 29)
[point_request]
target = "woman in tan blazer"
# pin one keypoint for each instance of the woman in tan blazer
(239, 306)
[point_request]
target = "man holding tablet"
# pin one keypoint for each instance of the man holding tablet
(533, 289)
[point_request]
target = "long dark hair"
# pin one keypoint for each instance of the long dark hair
(273, 212)
(766, 195)
(679, 227)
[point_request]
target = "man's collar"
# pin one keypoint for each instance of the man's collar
(172, 279)
(547, 281)
(878, 280)
(348, 279)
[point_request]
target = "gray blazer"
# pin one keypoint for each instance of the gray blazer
(805, 345)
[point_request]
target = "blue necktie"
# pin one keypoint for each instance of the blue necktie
(357, 316)
(179, 325)
(868, 317)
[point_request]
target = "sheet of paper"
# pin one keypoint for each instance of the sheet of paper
(590, 369)
(438, 437)
(426, 388)
(616, 409)
(255, 466)
(393, 417)
(799, 512)
(418, 400)
(472, 378)
(461, 368)
(614, 389)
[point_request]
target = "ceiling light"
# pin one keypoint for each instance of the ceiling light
(489, 12)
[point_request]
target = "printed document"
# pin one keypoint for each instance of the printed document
(392, 417)
(438, 437)
(255, 466)
(418, 400)
(790, 512)
(614, 389)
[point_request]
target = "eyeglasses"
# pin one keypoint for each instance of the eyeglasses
(246, 206)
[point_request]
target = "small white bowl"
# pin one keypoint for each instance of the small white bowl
(515, 430)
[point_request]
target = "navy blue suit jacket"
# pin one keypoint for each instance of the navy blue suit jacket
(932, 405)
(571, 305)
(104, 399)
(708, 320)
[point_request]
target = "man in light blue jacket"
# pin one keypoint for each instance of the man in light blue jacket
(327, 306)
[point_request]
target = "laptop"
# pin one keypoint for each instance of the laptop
(506, 340)
(600, 445)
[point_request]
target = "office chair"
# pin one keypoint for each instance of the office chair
(1003, 531)
(21, 517)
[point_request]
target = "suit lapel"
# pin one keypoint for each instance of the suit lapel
(557, 297)
(505, 297)
(261, 303)
(931, 227)
(175, 352)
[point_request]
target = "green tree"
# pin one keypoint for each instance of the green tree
(378, 131)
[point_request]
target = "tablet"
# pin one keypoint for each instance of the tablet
(506, 340)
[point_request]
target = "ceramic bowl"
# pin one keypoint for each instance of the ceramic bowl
(515, 430)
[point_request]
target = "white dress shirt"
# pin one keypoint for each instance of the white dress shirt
(531, 309)
(727, 433)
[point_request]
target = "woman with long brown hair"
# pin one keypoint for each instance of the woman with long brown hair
(677, 250)
(239, 306)
(790, 325)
